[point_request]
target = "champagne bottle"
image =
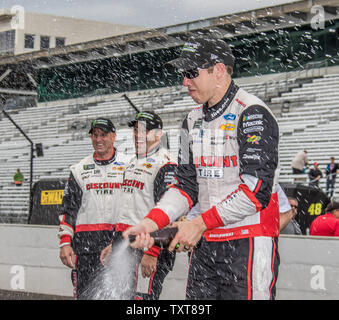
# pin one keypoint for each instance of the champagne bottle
(162, 238)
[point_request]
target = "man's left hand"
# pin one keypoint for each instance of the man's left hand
(188, 235)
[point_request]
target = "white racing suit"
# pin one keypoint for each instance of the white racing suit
(146, 179)
(228, 162)
(89, 212)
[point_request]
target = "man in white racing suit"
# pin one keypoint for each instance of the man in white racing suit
(147, 176)
(89, 208)
(228, 162)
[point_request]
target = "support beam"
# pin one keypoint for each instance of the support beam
(18, 92)
(5, 74)
(30, 77)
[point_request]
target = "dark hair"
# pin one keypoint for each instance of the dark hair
(210, 69)
(229, 70)
(334, 205)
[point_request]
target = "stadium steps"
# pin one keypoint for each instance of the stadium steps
(319, 139)
(14, 204)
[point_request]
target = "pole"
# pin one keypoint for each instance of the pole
(31, 164)
(131, 103)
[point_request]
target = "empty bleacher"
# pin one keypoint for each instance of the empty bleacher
(312, 125)
(310, 122)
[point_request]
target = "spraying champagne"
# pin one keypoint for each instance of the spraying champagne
(162, 238)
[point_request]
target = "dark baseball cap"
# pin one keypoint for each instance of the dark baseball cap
(203, 52)
(152, 120)
(103, 124)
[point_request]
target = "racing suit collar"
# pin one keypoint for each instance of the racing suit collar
(153, 150)
(211, 113)
(106, 161)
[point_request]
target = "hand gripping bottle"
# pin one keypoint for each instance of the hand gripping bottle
(162, 238)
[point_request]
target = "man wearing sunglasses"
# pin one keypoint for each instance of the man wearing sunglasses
(227, 162)
(288, 223)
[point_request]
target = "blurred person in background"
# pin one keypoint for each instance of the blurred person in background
(315, 175)
(18, 178)
(299, 162)
(331, 173)
(288, 224)
(328, 223)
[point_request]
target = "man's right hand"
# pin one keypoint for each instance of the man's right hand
(142, 232)
(67, 256)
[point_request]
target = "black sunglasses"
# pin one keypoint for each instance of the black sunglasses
(194, 73)
(190, 74)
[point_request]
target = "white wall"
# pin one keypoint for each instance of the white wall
(309, 268)
(29, 261)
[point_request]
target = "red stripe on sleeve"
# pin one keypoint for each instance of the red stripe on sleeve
(183, 193)
(251, 196)
(62, 222)
(65, 239)
(154, 251)
(159, 217)
(212, 219)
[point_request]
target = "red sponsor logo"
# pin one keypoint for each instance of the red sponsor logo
(241, 103)
(101, 186)
(133, 183)
(216, 161)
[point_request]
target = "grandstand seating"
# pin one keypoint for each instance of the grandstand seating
(311, 123)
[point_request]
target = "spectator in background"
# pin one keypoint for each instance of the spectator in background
(18, 178)
(314, 175)
(288, 224)
(331, 173)
(299, 162)
(90, 206)
(328, 223)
